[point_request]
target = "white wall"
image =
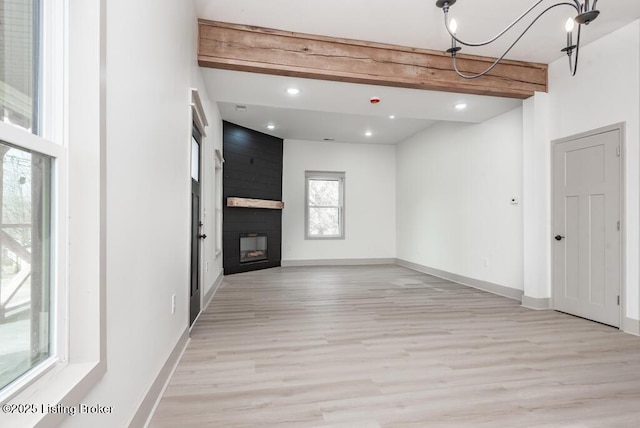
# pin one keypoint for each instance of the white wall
(211, 262)
(455, 183)
(605, 91)
(370, 213)
(151, 69)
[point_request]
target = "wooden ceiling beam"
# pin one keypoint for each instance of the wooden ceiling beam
(269, 51)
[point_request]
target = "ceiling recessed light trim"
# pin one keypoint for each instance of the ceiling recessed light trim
(392, 116)
(460, 106)
(368, 134)
(293, 91)
(271, 126)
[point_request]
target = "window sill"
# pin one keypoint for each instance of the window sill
(64, 384)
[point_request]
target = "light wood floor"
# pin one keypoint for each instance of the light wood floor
(384, 346)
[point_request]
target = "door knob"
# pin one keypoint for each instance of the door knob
(202, 236)
(559, 237)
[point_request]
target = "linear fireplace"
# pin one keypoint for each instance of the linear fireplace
(253, 247)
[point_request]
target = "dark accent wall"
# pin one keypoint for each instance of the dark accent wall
(252, 169)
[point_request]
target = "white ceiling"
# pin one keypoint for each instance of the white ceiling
(342, 111)
(338, 110)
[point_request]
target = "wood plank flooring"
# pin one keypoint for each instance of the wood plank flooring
(385, 346)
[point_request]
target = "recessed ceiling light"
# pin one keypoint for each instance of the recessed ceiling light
(461, 106)
(241, 108)
(271, 126)
(368, 133)
(293, 91)
(392, 117)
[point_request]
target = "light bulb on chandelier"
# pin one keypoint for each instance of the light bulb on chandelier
(586, 13)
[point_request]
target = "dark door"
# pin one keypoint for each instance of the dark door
(194, 287)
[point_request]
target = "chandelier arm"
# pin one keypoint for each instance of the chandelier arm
(491, 67)
(510, 26)
(500, 34)
(574, 68)
(495, 63)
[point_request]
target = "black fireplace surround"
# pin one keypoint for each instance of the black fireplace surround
(252, 169)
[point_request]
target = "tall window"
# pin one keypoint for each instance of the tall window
(29, 170)
(324, 217)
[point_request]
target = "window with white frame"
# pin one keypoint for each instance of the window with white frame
(31, 173)
(324, 214)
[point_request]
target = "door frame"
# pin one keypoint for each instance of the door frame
(621, 128)
(199, 121)
(195, 232)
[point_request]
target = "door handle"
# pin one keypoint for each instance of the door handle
(559, 237)
(204, 236)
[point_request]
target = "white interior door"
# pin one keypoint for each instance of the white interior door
(586, 225)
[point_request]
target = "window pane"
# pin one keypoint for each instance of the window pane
(195, 159)
(19, 54)
(324, 221)
(324, 193)
(25, 261)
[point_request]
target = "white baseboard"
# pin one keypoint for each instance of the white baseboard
(490, 287)
(145, 411)
(536, 303)
(212, 291)
(143, 415)
(631, 326)
(337, 262)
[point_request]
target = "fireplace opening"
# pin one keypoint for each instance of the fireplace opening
(253, 247)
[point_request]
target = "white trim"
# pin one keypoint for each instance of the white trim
(536, 303)
(54, 62)
(154, 394)
(217, 180)
(219, 159)
(337, 262)
(631, 326)
(60, 258)
(199, 117)
(212, 291)
(22, 138)
(500, 290)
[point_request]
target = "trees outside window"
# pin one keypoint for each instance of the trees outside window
(324, 205)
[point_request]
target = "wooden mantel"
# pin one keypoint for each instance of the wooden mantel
(254, 203)
(269, 51)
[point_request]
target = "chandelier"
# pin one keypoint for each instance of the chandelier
(586, 12)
